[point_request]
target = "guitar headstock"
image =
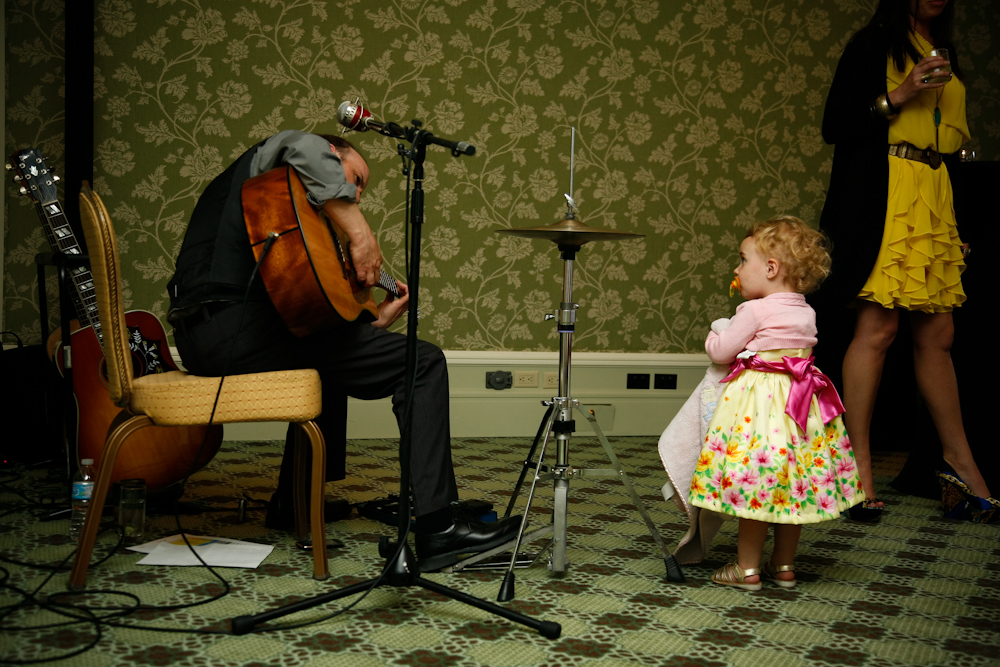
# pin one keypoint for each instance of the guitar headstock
(34, 176)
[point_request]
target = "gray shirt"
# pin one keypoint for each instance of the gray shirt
(313, 158)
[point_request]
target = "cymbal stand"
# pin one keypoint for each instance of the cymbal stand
(559, 422)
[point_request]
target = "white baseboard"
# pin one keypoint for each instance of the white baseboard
(598, 381)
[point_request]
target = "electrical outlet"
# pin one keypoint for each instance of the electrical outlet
(665, 381)
(550, 380)
(525, 379)
(637, 381)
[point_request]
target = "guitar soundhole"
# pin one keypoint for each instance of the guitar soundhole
(146, 355)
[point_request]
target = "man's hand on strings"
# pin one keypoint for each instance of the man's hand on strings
(392, 308)
(366, 257)
(365, 253)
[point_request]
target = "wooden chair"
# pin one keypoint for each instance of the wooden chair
(178, 399)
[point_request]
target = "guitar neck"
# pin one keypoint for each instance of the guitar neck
(62, 239)
(39, 183)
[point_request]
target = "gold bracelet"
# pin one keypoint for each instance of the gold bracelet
(884, 108)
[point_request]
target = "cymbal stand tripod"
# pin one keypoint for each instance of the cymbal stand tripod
(559, 422)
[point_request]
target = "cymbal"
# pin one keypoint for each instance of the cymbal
(570, 232)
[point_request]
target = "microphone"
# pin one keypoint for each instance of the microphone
(356, 117)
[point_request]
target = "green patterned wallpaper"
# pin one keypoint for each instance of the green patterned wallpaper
(693, 119)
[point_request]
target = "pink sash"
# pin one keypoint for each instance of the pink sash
(807, 381)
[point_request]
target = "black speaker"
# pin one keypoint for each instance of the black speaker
(31, 420)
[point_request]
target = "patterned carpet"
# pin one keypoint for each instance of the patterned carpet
(915, 589)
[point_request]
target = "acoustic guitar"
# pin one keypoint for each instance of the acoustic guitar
(160, 455)
(308, 272)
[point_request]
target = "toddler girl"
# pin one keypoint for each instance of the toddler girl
(776, 449)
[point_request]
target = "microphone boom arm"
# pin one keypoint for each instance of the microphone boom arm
(356, 117)
(457, 148)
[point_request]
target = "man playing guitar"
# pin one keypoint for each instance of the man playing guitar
(210, 297)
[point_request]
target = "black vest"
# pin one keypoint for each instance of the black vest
(216, 261)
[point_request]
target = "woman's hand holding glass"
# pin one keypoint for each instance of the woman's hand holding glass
(915, 83)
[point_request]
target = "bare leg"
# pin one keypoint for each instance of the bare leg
(873, 334)
(750, 546)
(932, 337)
(786, 543)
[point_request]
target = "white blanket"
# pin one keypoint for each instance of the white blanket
(679, 446)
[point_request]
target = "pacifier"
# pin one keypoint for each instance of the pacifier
(735, 285)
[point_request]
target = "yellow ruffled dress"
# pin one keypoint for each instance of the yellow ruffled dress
(919, 264)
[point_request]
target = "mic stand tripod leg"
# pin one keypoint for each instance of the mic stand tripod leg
(401, 571)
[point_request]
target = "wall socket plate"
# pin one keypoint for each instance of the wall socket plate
(550, 380)
(665, 381)
(637, 381)
(525, 379)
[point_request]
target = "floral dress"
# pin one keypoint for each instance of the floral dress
(757, 463)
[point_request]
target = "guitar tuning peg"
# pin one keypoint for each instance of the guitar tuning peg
(17, 179)
(8, 166)
(54, 177)
(22, 190)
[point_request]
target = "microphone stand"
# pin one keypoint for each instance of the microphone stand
(401, 568)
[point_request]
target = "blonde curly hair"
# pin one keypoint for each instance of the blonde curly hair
(804, 252)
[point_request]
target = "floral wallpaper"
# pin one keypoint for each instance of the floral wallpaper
(692, 119)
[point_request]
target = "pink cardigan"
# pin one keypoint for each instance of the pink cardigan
(775, 322)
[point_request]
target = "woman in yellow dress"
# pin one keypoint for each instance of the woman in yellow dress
(899, 249)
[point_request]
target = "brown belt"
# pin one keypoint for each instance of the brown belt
(908, 151)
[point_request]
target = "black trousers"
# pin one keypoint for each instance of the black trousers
(354, 360)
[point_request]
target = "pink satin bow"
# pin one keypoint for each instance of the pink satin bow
(806, 382)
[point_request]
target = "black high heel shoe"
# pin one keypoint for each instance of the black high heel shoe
(865, 511)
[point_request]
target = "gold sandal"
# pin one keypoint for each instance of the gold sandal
(731, 574)
(771, 572)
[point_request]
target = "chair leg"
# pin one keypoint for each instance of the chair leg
(301, 484)
(85, 545)
(321, 569)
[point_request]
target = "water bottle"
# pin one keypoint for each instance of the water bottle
(83, 488)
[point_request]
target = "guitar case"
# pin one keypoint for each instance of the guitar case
(31, 405)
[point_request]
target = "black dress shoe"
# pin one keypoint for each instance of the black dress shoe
(281, 511)
(466, 536)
